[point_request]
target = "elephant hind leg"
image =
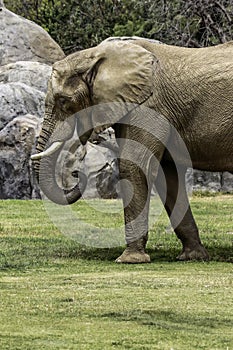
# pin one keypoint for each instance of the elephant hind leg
(172, 190)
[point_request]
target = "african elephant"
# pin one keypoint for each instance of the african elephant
(190, 89)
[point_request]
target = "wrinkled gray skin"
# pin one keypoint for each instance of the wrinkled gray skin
(191, 88)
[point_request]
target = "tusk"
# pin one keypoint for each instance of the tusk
(53, 148)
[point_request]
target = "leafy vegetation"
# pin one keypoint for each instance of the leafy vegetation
(58, 294)
(80, 24)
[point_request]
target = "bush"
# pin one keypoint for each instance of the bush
(78, 24)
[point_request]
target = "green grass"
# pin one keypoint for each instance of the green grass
(58, 294)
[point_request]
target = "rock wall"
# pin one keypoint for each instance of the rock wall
(26, 55)
(16, 140)
(212, 181)
(206, 181)
(23, 40)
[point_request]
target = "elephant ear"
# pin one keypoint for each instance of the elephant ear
(125, 73)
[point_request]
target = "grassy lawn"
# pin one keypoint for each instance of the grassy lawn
(58, 294)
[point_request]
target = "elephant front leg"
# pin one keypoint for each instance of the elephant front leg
(135, 193)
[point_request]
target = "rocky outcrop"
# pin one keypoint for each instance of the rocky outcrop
(212, 181)
(99, 165)
(32, 74)
(16, 142)
(23, 40)
(19, 99)
(26, 55)
(227, 182)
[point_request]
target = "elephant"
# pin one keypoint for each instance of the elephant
(167, 95)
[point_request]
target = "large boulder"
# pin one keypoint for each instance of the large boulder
(26, 55)
(34, 74)
(212, 181)
(206, 181)
(16, 145)
(98, 162)
(227, 182)
(23, 40)
(19, 99)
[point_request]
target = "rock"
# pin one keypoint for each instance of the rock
(16, 146)
(99, 165)
(26, 53)
(107, 179)
(23, 40)
(33, 74)
(211, 181)
(227, 182)
(99, 158)
(206, 181)
(19, 99)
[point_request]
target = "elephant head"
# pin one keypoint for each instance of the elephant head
(119, 72)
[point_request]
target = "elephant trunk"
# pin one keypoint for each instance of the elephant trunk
(45, 166)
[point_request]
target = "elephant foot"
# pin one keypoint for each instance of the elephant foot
(133, 258)
(197, 253)
(134, 253)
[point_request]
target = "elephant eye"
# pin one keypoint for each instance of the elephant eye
(66, 105)
(73, 80)
(62, 101)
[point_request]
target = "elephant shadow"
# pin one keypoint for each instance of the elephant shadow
(157, 253)
(164, 319)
